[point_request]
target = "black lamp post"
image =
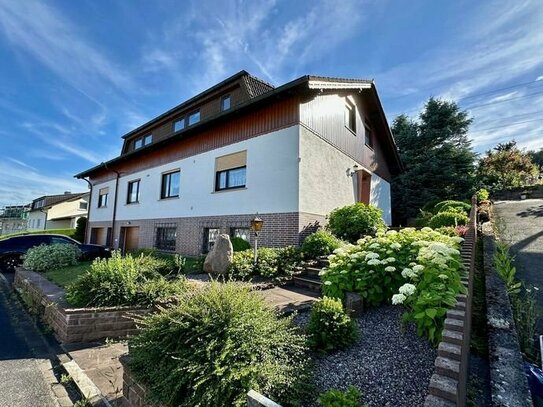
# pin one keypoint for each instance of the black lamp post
(256, 226)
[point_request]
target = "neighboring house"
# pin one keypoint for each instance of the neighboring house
(291, 154)
(13, 219)
(57, 211)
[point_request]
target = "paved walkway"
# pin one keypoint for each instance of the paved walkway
(522, 223)
(25, 372)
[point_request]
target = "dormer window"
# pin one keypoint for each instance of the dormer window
(39, 204)
(225, 102)
(143, 141)
(179, 124)
(194, 117)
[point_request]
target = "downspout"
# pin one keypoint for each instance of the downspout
(45, 221)
(89, 206)
(114, 203)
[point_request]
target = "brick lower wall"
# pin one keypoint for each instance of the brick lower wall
(74, 324)
(280, 229)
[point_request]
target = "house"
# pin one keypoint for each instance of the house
(57, 211)
(13, 219)
(207, 166)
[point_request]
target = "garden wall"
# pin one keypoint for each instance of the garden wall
(533, 191)
(448, 384)
(73, 324)
(134, 394)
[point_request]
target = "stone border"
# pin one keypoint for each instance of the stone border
(74, 324)
(508, 383)
(448, 384)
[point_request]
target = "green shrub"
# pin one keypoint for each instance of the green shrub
(48, 257)
(451, 218)
(482, 195)
(271, 263)
(166, 264)
(351, 222)
(122, 281)
(216, 344)
(80, 228)
(452, 206)
(320, 243)
(503, 261)
(418, 268)
(240, 244)
(338, 398)
(330, 328)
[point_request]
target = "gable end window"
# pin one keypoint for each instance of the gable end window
(350, 116)
(225, 102)
(133, 195)
(179, 124)
(231, 171)
(194, 118)
(170, 185)
(368, 135)
(103, 194)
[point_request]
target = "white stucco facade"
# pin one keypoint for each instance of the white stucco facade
(36, 220)
(326, 180)
(271, 184)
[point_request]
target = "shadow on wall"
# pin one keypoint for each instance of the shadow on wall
(309, 229)
(534, 212)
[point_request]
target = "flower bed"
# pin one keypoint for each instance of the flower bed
(418, 268)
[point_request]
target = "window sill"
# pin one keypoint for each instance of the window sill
(220, 191)
(131, 203)
(169, 198)
(101, 207)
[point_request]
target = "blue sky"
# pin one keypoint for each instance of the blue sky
(76, 75)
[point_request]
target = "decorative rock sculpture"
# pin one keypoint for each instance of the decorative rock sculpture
(220, 257)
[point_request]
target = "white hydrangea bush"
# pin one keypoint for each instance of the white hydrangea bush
(49, 257)
(419, 269)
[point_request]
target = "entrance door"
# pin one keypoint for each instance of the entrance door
(130, 237)
(364, 186)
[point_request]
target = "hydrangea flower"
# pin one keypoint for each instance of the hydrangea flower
(372, 255)
(407, 289)
(327, 282)
(396, 246)
(417, 268)
(390, 268)
(374, 262)
(391, 260)
(398, 299)
(443, 276)
(408, 273)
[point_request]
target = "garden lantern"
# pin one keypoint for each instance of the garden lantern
(256, 226)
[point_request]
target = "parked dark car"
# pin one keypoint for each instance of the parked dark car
(13, 248)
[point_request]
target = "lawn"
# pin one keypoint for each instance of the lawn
(67, 275)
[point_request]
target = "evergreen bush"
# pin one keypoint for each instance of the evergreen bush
(448, 218)
(49, 257)
(320, 243)
(352, 222)
(215, 345)
(240, 244)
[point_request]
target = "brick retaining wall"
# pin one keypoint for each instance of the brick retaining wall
(74, 324)
(448, 384)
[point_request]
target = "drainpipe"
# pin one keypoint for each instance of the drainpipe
(114, 203)
(45, 221)
(88, 211)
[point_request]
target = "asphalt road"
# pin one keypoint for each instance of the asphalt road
(522, 224)
(22, 383)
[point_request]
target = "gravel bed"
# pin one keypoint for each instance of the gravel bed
(390, 364)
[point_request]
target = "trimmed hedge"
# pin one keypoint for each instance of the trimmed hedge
(320, 243)
(239, 244)
(271, 263)
(65, 232)
(449, 218)
(48, 257)
(451, 206)
(352, 222)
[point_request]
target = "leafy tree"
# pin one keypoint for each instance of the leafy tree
(437, 156)
(79, 234)
(537, 157)
(505, 166)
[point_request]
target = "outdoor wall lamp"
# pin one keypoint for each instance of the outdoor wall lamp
(256, 226)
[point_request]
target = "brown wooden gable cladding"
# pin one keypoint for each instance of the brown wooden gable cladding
(324, 115)
(281, 114)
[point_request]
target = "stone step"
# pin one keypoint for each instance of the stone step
(309, 282)
(312, 271)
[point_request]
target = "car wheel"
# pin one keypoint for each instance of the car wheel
(9, 263)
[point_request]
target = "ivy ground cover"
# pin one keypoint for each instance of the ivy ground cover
(420, 269)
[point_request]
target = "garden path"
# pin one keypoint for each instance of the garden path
(522, 223)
